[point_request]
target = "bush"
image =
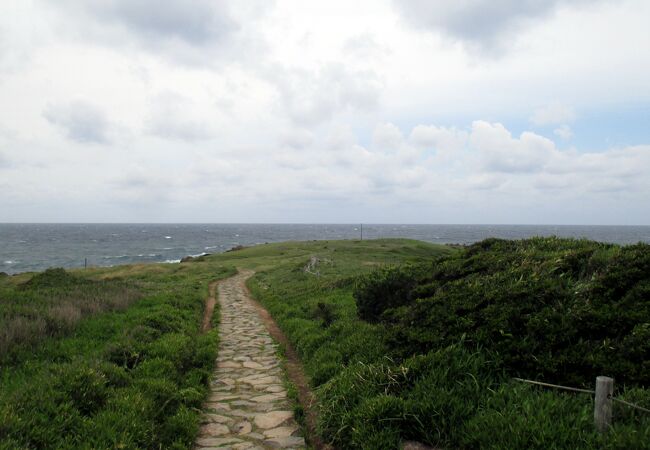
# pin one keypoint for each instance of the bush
(557, 309)
(84, 385)
(383, 289)
(53, 278)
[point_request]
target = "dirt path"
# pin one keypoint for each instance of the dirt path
(209, 307)
(248, 406)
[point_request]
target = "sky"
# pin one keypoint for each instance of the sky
(306, 111)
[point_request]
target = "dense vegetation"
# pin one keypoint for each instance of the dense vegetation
(402, 340)
(119, 363)
(432, 356)
(555, 309)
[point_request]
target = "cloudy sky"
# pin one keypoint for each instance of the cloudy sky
(384, 111)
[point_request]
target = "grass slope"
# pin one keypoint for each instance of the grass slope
(129, 369)
(450, 393)
(128, 374)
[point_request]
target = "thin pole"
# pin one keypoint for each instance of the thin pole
(362, 232)
(85, 263)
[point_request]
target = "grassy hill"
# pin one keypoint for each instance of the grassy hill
(114, 357)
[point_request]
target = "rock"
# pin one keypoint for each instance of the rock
(228, 365)
(280, 432)
(216, 442)
(285, 442)
(236, 248)
(243, 427)
(272, 419)
(218, 418)
(252, 365)
(187, 259)
(214, 429)
(265, 398)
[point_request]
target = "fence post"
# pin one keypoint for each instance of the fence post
(603, 403)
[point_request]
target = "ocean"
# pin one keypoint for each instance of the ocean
(33, 247)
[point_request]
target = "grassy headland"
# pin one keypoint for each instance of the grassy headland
(402, 340)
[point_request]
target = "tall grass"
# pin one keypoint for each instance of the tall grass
(120, 363)
(453, 393)
(51, 304)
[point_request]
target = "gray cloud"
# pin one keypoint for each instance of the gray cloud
(81, 121)
(482, 24)
(197, 22)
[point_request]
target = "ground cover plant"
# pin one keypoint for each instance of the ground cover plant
(360, 315)
(386, 371)
(129, 373)
(560, 310)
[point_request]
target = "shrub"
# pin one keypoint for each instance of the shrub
(558, 309)
(53, 278)
(84, 385)
(383, 289)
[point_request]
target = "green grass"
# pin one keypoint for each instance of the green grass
(127, 377)
(133, 374)
(374, 396)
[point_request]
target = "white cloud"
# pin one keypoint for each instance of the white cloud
(300, 110)
(564, 132)
(387, 137)
(446, 142)
(553, 114)
(174, 117)
(311, 97)
(498, 151)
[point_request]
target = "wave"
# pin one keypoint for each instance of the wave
(171, 261)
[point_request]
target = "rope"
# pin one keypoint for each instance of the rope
(616, 399)
(566, 388)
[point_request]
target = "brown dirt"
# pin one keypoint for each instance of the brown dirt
(206, 325)
(296, 375)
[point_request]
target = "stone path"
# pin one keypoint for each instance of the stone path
(248, 406)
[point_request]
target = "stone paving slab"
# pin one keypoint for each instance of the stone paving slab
(247, 407)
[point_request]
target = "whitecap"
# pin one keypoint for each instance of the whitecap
(168, 237)
(9, 262)
(167, 248)
(172, 261)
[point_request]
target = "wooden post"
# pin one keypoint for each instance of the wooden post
(362, 232)
(85, 263)
(603, 403)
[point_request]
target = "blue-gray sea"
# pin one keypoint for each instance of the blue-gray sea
(32, 247)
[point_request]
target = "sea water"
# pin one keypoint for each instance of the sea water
(32, 247)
